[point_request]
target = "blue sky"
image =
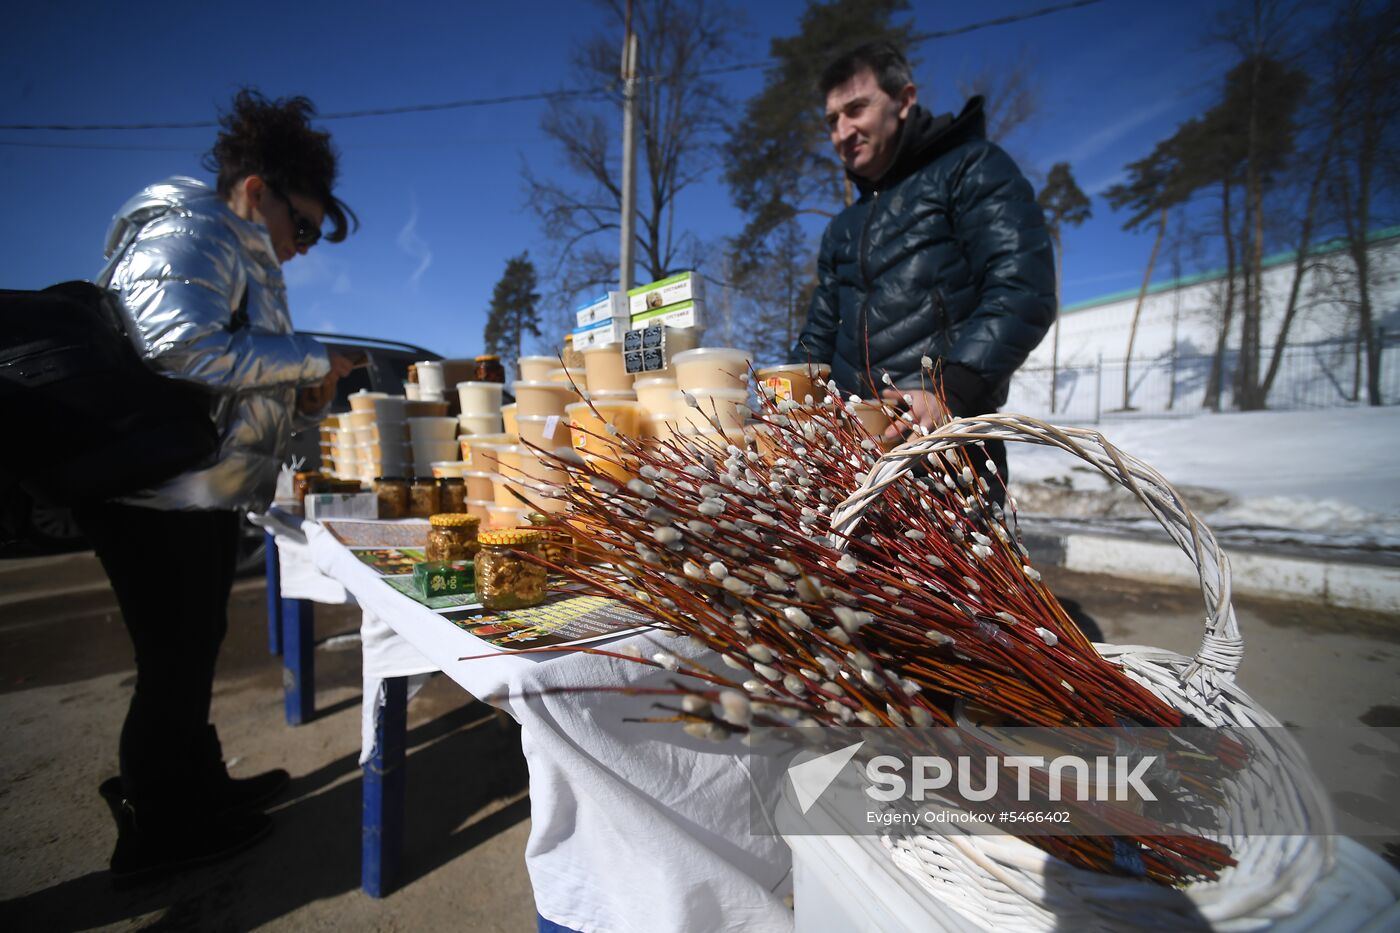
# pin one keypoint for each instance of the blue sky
(439, 194)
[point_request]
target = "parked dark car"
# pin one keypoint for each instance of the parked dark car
(30, 527)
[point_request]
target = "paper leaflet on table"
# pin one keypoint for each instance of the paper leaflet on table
(567, 617)
(390, 561)
(407, 533)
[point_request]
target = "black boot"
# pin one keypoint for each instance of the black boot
(230, 794)
(153, 842)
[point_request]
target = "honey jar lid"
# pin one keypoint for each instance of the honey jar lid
(453, 520)
(510, 536)
(486, 358)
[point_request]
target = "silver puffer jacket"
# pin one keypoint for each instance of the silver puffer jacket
(180, 260)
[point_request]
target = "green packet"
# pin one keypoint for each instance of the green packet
(444, 577)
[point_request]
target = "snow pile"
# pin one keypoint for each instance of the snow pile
(1330, 475)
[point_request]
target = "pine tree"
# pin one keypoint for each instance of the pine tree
(782, 169)
(514, 312)
(1361, 88)
(1155, 185)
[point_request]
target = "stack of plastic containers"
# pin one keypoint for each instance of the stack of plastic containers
(327, 440)
(655, 395)
(481, 407)
(711, 395)
(386, 450)
(431, 387)
(517, 467)
(434, 440)
(344, 457)
(612, 406)
(484, 454)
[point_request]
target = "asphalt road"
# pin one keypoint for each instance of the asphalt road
(66, 673)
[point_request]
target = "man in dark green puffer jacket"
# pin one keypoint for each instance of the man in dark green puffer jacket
(945, 255)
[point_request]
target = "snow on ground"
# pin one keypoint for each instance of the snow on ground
(1333, 473)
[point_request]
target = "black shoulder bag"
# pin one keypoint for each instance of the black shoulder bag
(83, 415)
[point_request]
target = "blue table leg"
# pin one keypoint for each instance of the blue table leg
(273, 571)
(298, 659)
(381, 820)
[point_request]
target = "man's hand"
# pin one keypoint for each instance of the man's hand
(925, 406)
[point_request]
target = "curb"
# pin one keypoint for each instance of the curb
(1348, 584)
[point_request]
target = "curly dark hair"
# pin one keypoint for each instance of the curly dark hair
(274, 140)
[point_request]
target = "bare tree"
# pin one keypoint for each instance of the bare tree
(679, 116)
(1010, 102)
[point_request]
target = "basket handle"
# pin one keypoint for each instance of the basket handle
(1222, 648)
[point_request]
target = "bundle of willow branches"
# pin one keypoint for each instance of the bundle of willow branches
(933, 602)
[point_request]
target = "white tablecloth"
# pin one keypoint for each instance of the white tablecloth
(384, 653)
(634, 827)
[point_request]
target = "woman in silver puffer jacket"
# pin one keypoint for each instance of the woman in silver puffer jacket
(198, 273)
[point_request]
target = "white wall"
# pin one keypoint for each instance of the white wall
(1313, 377)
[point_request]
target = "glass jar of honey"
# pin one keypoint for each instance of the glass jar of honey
(302, 482)
(505, 577)
(452, 494)
(452, 536)
(423, 497)
(557, 545)
(393, 496)
(489, 368)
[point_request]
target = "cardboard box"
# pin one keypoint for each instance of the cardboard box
(611, 305)
(685, 314)
(444, 578)
(341, 505)
(604, 333)
(684, 286)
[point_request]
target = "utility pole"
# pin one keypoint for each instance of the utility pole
(629, 154)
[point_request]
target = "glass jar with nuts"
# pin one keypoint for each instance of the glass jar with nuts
(452, 536)
(505, 577)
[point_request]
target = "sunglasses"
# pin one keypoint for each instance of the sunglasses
(306, 234)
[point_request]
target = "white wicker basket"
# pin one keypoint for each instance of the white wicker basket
(1001, 882)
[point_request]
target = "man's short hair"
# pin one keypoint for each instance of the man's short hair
(888, 63)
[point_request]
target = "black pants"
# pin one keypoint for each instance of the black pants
(172, 573)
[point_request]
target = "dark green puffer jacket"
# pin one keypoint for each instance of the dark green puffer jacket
(947, 256)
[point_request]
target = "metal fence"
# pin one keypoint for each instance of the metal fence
(1327, 374)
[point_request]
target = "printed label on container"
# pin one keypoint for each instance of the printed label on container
(782, 387)
(551, 425)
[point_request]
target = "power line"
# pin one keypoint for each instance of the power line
(598, 91)
(28, 144)
(200, 147)
(341, 115)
